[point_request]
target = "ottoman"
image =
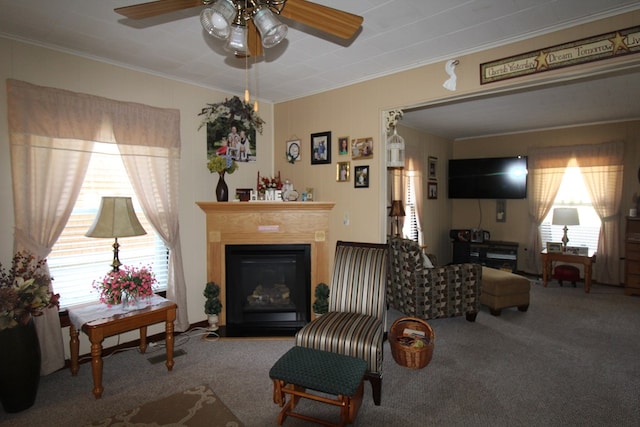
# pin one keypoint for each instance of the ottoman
(569, 273)
(303, 368)
(502, 289)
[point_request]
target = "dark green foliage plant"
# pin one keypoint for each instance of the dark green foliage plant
(321, 304)
(212, 293)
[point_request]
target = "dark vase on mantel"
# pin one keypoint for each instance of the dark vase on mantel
(222, 191)
(19, 367)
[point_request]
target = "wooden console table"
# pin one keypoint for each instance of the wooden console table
(549, 257)
(104, 322)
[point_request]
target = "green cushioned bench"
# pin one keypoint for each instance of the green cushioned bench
(304, 368)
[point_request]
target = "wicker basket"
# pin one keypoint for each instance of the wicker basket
(409, 356)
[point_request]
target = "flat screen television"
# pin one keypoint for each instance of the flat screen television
(488, 178)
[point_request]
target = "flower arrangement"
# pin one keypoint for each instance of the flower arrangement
(24, 290)
(266, 183)
(232, 110)
(126, 283)
(222, 164)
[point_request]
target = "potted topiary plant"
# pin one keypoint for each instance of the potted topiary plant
(212, 306)
(321, 304)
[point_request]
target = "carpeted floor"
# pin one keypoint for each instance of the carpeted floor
(572, 359)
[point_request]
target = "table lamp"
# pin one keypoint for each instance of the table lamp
(116, 218)
(565, 216)
(397, 211)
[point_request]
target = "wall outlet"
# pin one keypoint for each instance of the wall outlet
(345, 219)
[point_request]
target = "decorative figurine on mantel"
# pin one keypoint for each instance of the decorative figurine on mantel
(289, 194)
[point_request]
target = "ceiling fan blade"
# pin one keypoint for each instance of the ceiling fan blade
(155, 8)
(329, 20)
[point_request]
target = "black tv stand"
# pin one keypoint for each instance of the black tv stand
(491, 253)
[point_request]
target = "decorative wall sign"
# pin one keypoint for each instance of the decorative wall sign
(293, 151)
(603, 46)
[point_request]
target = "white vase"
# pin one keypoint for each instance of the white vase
(213, 322)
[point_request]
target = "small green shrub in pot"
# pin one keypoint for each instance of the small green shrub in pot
(212, 293)
(321, 304)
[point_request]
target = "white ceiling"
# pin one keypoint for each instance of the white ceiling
(396, 35)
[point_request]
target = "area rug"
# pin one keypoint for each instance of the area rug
(198, 406)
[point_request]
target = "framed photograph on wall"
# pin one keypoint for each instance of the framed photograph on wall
(342, 171)
(361, 177)
(433, 168)
(321, 148)
(432, 190)
(362, 148)
(343, 146)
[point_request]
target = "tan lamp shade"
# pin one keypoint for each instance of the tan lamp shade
(116, 218)
(565, 216)
(397, 209)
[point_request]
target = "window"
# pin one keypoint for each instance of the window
(573, 193)
(75, 260)
(410, 227)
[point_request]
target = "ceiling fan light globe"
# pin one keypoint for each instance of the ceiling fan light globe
(216, 20)
(272, 31)
(237, 41)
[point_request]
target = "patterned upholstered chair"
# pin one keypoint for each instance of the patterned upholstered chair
(354, 325)
(427, 292)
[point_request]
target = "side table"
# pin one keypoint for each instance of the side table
(99, 321)
(586, 260)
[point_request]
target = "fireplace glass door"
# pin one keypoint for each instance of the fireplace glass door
(267, 289)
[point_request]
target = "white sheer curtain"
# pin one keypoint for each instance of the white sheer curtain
(416, 184)
(545, 176)
(601, 166)
(51, 133)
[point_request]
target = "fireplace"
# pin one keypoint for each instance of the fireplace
(267, 289)
(294, 224)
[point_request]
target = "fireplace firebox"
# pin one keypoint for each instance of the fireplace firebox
(267, 289)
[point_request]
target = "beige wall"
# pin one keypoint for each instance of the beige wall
(357, 110)
(474, 213)
(55, 69)
(354, 111)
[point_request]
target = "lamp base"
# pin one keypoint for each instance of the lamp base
(565, 238)
(116, 261)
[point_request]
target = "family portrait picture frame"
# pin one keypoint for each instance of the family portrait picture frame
(554, 247)
(362, 148)
(343, 146)
(361, 177)
(433, 168)
(343, 171)
(321, 148)
(432, 190)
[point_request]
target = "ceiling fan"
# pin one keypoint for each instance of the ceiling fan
(250, 25)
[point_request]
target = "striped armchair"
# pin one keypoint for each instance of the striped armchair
(354, 325)
(430, 293)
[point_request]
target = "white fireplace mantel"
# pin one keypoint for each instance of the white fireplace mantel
(254, 223)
